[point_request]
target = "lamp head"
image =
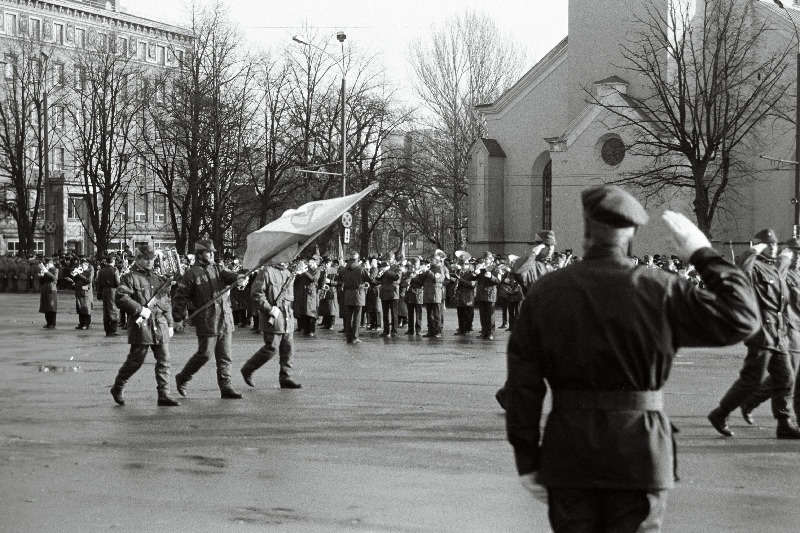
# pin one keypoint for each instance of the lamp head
(341, 36)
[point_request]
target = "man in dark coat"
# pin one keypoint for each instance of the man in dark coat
(432, 296)
(83, 276)
(389, 293)
(463, 295)
(273, 295)
(48, 289)
(414, 296)
(213, 325)
(328, 297)
(149, 324)
(306, 296)
(766, 350)
(487, 280)
(602, 334)
(107, 283)
(355, 280)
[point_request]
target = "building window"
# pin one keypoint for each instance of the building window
(35, 29)
(34, 68)
(159, 208)
(80, 38)
(151, 52)
(141, 51)
(10, 70)
(122, 46)
(612, 151)
(80, 77)
(58, 116)
(140, 208)
(75, 204)
(102, 41)
(58, 74)
(58, 33)
(547, 196)
(11, 24)
(161, 55)
(179, 56)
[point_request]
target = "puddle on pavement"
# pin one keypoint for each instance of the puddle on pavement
(57, 369)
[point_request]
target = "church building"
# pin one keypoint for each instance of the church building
(546, 142)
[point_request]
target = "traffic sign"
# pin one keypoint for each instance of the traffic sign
(347, 219)
(347, 235)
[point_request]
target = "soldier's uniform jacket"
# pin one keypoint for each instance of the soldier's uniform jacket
(306, 295)
(464, 289)
(486, 290)
(792, 314)
(135, 290)
(353, 278)
(198, 285)
(603, 329)
(48, 291)
(415, 290)
(769, 285)
(390, 285)
(3, 272)
(432, 286)
(329, 299)
(107, 282)
(530, 271)
(83, 290)
(269, 283)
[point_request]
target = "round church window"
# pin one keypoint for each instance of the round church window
(612, 151)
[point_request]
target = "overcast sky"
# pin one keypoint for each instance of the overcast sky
(378, 25)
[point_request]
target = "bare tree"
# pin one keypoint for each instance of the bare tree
(715, 78)
(106, 108)
(23, 85)
(464, 62)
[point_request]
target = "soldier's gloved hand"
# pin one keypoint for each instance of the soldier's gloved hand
(760, 247)
(275, 312)
(145, 313)
(177, 327)
(687, 237)
(171, 331)
(539, 492)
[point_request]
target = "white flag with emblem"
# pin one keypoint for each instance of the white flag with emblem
(282, 239)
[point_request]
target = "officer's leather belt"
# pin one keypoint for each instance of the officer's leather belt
(608, 400)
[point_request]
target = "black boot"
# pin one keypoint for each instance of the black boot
(719, 420)
(116, 393)
(164, 400)
(787, 430)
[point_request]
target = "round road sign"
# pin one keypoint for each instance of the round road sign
(347, 219)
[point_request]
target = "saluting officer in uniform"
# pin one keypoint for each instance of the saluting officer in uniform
(107, 282)
(148, 326)
(603, 334)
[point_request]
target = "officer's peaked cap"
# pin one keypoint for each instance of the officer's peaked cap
(614, 206)
(793, 243)
(146, 251)
(546, 237)
(767, 236)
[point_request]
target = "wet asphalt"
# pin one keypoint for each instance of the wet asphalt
(390, 435)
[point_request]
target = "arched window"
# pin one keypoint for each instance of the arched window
(547, 196)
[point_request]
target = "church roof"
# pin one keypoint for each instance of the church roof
(612, 79)
(787, 9)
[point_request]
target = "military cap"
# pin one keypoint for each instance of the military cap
(613, 206)
(767, 236)
(388, 256)
(109, 257)
(352, 255)
(204, 245)
(383, 264)
(546, 237)
(793, 243)
(146, 251)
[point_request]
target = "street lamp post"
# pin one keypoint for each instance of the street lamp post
(49, 230)
(796, 199)
(340, 36)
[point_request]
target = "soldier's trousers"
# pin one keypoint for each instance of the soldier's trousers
(351, 318)
(218, 346)
(434, 318)
(50, 318)
(414, 317)
(283, 345)
(591, 510)
(110, 318)
(466, 314)
(135, 359)
(758, 363)
(389, 323)
(486, 312)
(764, 391)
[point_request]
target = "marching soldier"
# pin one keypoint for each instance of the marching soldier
(328, 297)
(389, 293)
(144, 296)
(273, 295)
(355, 281)
(107, 282)
(591, 333)
(308, 283)
(48, 291)
(432, 296)
(213, 325)
(766, 350)
(463, 293)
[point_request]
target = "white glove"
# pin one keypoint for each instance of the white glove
(274, 312)
(488, 274)
(687, 237)
(537, 249)
(760, 247)
(171, 331)
(178, 327)
(145, 313)
(539, 492)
